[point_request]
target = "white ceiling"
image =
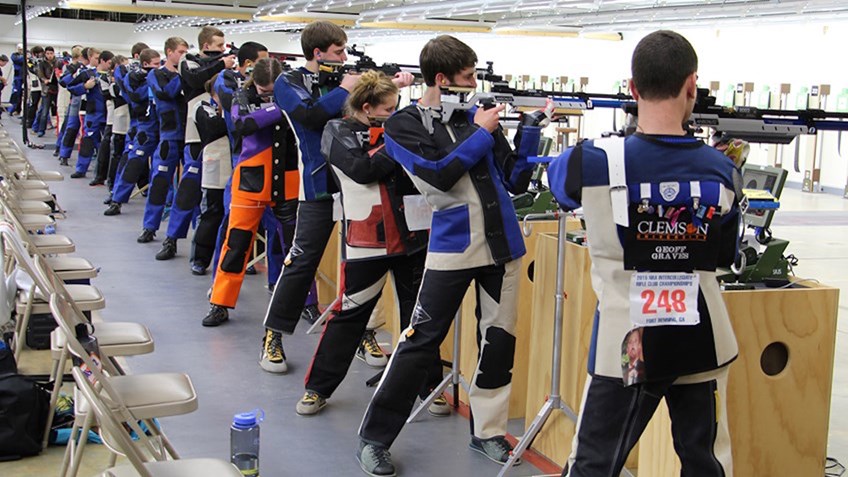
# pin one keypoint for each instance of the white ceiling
(548, 16)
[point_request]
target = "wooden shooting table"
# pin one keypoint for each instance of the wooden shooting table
(779, 388)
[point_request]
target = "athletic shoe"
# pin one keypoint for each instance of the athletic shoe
(273, 358)
(198, 269)
(439, 407)
(251, 270)
(146, 236)
(63, 161)
(375, 461)
(271, 287)
(97, 182)
(370, 352)
(77, 175)
(496, 449)
(217, 316)
(114, 209)
(310, 313)
(169, 249)
(310, 404)
(56, 152)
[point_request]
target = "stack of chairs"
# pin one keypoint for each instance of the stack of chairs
(124, 407)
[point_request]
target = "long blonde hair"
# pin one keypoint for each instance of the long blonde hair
(373, 88)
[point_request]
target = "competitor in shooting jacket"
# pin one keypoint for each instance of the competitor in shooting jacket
(123, 121)
(465, 167)
(217, 159)
(167, 89)
(262, 177)
(661, 214)
(104, 152)
(308, 105)
(134, 164)
(195, 71)
(377, 239)
(71, 125)
(18, 81)
(94, 83)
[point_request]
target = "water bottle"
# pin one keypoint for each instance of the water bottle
(244, 441)
(89, 344)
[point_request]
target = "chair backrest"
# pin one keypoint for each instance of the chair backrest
(11, 241)
(117, 433)
(63, 309)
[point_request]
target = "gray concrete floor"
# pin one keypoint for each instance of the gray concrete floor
(222, 362)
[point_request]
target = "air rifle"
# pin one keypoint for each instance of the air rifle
(752, 124)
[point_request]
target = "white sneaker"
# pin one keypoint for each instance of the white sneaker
(370, 352)
(272, 358)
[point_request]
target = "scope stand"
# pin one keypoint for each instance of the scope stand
(454, 378)
(554, 402)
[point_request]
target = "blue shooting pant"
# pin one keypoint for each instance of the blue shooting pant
(166, 159)
(139, 151)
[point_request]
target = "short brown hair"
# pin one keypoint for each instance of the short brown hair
(374, 87)
(265, 72)
(173, 43)
(118, 60)
(661, 63)
(447, 55)
(206, 34)
(147, 55)
(137, 49)
(322, 35)
(210, 84)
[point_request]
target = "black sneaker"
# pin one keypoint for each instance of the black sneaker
(97, 182)
(217, 316)
(108, 200)
(497, 449)
(310, 314)
(114, 209)
(251, 270)
(147, 235)
(77, 175)
(169, 249)
(56, 152)
(63, 161)
(198, 269)
(271, 287)
(375, 461)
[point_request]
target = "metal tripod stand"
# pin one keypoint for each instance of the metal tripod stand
(454, 378)
(554, 402)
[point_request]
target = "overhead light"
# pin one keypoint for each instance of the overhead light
(259, 27)
(178, 22)
(447, 26)
(34, 12)
(168, 8)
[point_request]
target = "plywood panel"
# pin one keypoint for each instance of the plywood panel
(778, 424)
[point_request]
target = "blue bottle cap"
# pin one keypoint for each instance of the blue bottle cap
(248, 419)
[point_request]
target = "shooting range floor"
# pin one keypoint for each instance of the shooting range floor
(222, 362)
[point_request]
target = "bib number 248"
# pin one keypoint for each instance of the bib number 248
(660, 299)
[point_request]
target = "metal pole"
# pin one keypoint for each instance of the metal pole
(24, 74)
(558, 305)
(554, 401)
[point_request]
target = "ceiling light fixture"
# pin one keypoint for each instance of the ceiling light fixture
(169, 23)
(33, 12)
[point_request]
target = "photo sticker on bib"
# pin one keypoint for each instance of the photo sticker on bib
(632, 358)
(661, 299)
